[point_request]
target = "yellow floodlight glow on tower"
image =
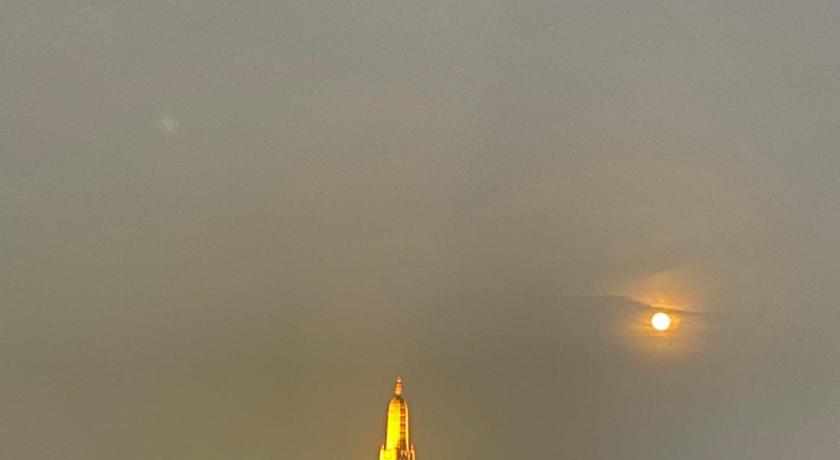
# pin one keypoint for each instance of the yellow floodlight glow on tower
(397, 444)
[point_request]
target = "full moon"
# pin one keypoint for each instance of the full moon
(660, 321)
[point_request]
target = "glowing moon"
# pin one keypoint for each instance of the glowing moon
(660, 321)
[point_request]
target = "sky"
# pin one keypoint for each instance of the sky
(226, 227)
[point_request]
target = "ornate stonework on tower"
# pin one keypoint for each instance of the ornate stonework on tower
(397, 444)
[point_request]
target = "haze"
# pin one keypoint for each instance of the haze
(226, 227)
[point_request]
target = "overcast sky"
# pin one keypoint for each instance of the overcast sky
(226, 227)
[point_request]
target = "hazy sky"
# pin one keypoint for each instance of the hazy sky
(225, 227)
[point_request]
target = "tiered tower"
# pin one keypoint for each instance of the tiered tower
(397, 444)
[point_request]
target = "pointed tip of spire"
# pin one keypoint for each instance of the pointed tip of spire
(398, 388)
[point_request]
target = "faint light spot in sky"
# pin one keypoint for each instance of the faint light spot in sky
(169, 124)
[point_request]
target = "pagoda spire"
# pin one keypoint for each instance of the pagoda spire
(397, 444)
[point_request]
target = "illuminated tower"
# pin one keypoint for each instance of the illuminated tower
(397, 442)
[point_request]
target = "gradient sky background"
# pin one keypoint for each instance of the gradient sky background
(225, 227)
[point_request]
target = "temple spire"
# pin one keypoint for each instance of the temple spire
(397, 444)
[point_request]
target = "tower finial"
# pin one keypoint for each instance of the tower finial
(398, 388)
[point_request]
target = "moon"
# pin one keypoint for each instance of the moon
(660, 321)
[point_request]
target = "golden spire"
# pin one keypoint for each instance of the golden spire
(397, 444)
